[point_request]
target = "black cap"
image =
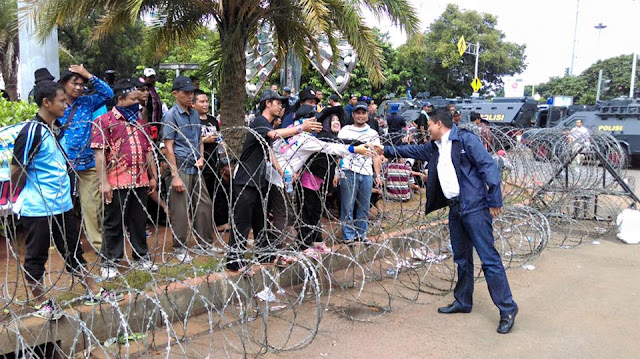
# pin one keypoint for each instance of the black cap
(457, 113)
(334, 97)
(286, 89)
(361, 106)
(308, 93)
(42, 74)
(270, 95)
(183, 83)
(306, 111)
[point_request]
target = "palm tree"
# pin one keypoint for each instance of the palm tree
(9, 50)
(296, 25)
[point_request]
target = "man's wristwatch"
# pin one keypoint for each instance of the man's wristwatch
(299, 129)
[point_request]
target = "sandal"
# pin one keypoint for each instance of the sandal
(246, 272)
(284, 262)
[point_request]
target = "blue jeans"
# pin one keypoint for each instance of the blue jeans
(355, 189)
(476, 230)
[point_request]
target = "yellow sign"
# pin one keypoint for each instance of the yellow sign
(462, 45)
(476, 84)
(610, 128)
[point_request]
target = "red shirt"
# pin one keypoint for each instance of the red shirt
(126, 145)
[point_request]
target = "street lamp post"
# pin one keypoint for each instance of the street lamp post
(599, 27)
(633, 74)
(575, 38)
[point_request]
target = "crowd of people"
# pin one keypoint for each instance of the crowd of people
(109, 151)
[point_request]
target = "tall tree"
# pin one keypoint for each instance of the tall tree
(9, 49)
(296, 24)
(584, 86)
(451, 75)
(121, 50)
(412, 62)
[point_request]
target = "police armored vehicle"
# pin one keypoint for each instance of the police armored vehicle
(410, 109)
(518, 112)
(619, 117)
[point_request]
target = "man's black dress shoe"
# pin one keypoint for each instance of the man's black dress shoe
(507, 322)
(452, 308)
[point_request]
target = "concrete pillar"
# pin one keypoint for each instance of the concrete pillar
(35, 54)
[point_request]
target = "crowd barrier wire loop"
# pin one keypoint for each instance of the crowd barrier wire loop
(555, 193)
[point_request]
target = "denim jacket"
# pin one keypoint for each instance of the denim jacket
(477, 173)
(77, 144)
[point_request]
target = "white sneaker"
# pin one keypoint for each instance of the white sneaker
(182, 256)
(145, 265)
(108, 272)
(48, 310)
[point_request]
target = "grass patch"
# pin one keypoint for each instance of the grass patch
(136, 280)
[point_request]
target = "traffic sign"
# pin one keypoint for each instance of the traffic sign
(462, 45)
(476, 84)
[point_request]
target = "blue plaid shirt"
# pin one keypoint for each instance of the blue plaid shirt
(77, 144)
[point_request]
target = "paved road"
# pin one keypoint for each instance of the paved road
(576, 303)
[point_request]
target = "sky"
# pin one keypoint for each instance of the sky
(547, 28)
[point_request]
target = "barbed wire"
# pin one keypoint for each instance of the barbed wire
(555, 193)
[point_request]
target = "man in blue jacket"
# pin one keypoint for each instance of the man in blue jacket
(464, 177)
(78, 123)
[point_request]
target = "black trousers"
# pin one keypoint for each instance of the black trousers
(220, 192)
(248, 214)
(211, 181)
(64, 229)
(310, 227)
(126, 210)
(281, 209)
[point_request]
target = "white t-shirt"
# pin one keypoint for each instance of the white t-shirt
(294, 152)
(446, 171)
(579, 134)
(354, 162)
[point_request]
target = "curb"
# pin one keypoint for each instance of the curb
(178, 300)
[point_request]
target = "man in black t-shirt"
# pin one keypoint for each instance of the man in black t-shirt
(421, 121)
(210, 134)
(396, 124)
(250, 185)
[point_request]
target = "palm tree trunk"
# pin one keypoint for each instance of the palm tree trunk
(9, 67)
(232, 90)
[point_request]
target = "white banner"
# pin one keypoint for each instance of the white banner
(513, 86)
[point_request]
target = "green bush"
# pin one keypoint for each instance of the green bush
(164, 91)
(16, 112)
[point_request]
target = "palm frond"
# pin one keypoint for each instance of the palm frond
(348, 20)
(400, 12)
(175, 24)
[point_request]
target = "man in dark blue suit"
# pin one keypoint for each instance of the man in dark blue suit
(464, 177)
